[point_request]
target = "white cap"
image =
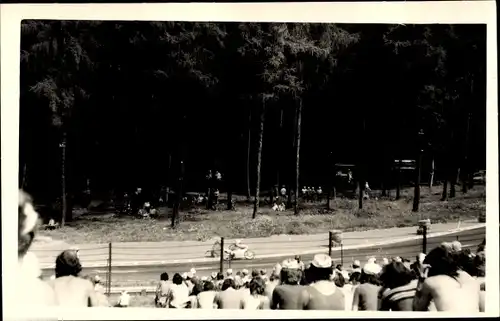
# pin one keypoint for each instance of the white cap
(345, 274)
(356, 263)
(322, 261)
(190, 275)
(385, 261)
(456, 246)
(193, 271)
(421, 257)
(372, 268)
(229, 271)
(97, 278)
(237, 242)
(244, 271)
(372, 260)
(184, 275)
(397, 259)
(204, 278)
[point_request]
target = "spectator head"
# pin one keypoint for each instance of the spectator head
(320, 269)
(297, 258)
(229, 272)
(184, 276)
(255, 273)
(228, 283)
(177, 279)
(395, 274)
(96, 279)
(481, 246)
(372, 260)
(244, 272)
(214, 275)
(356, 264)
(220, 276)
(257, 286)
(339, 280)
(263, 272)
(204, 279)
(339, 267)
(27, 222)
(277, 269)
(68, 264)
(239, 273)
(385, 261)
(370, 273)
(197, 289)
(456, 246)
(442, 261)
(480, 264)
(164, 276)
(208, 286)
(355, 278)
(290, 272)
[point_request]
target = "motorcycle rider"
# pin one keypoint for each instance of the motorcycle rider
(240, 249)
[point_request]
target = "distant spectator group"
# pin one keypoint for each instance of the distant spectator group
(448, 278)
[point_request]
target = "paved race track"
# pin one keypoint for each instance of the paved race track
(135, 275)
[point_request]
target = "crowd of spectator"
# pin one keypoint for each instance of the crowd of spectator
(448, 278)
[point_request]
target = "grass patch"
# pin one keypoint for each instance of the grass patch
(202, 225)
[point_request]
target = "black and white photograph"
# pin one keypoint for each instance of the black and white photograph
(277, 165)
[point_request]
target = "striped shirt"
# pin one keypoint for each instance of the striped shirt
(400, 298)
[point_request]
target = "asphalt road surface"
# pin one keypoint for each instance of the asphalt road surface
(148, 274)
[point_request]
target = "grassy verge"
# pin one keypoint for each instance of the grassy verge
(314, 218)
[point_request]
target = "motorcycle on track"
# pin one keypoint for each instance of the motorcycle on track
(231, 253)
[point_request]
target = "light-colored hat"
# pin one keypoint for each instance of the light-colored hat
(372, 260)
(229, 271)
(397, 259)
(290, 264)
(244, 271)
(421, 257)
(184, 275)
(193, 271)
(356, 263)
(372, 268)
(385, 261)
(204, 278)
(456, 246)
(189, 275)
(345, 274)
(322, 261)
(214, 275)
(97, 278)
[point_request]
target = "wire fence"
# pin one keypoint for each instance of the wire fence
(106, 258)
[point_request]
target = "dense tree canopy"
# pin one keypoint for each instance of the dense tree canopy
(131, 99)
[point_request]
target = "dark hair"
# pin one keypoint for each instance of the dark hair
(257, 286)
(164, 276)
(208, 286)
(255, 273)
(339, 267)
(290, 276)
(395, 274)
(466, 262)
(197, 289)
(238, 273)
(228, 283)
(355, 277)
(339, 280)
(68, 263)
(442, 262)
(177, 279)
(479, 264)
(315, 274)
(220, 276)
(369, 278)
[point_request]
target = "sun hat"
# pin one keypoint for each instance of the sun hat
(322, 261)
(214, 275)
(456, 246)
(372, 260)
(184, 275)
(385, 261)
(356, 264)
(372, 268)
(244, 272)
(229, 271)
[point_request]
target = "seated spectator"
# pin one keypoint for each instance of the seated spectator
(162, 291)
(273, 282)
(206, 298)
(228, 297)
(36, 292)
(366, 294)
(321, 293)
(178, 294)
(220, 280)
(193, 298)
(124, 300)
(287, 295)
(256, 300)
(356, 266)
(70, 289)
(355, 278)
(441, 281)
(398, 288)
(346, 288)
(263, 275)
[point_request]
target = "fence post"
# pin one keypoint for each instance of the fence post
(424, 240)
(221, 267)
(342, 253)
(109, 269)
(330, 241)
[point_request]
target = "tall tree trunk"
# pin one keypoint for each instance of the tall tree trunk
(259, 160)
(453, 182)
(297, 151)
(290, 180)
(444, 196)
(249, 143)
(361, 189)
(431, 178)
(398, 180)
(416, 195)
(64, 204)
(176, 207)
(24, 180)
(466, 170)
